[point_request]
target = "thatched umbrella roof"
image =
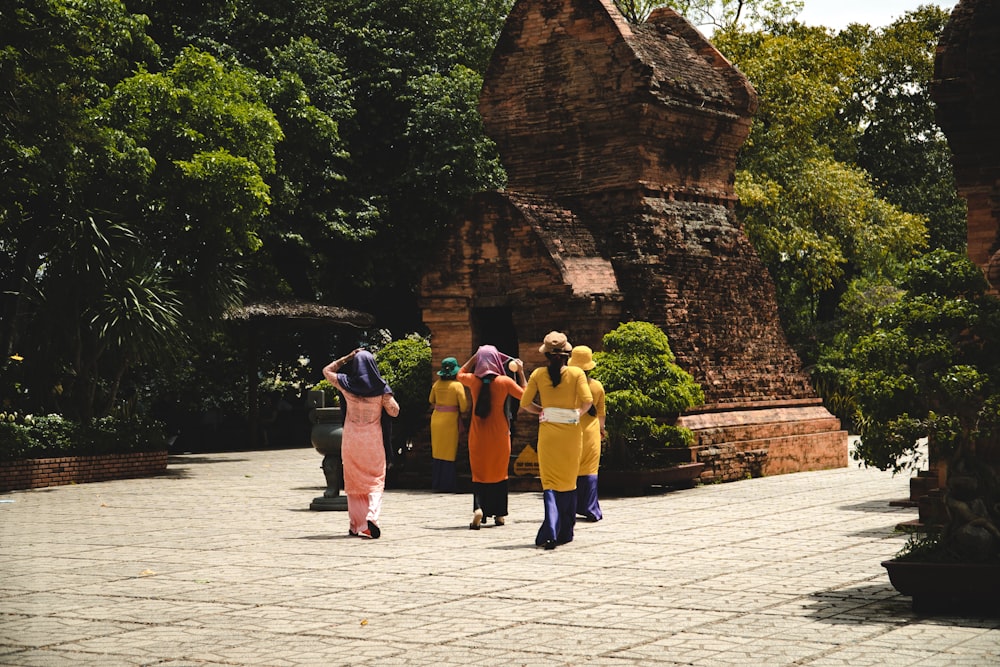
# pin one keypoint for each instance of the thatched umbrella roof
(302, 310)
(284, 315)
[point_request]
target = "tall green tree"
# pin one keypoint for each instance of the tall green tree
(717, 14)
(378, 101)
(897, 139)
(140, 195)
(818, 222)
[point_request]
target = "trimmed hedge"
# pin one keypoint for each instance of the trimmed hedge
(51, 436)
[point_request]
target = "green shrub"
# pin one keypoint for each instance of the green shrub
(645, 393)
(406, 365)
(27, 437)
(331, 395)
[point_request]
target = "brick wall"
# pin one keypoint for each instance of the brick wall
(578, 101)
(967, 100)
(38, 473)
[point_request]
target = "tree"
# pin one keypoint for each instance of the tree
(928, 367)
(141, 194)
(363, 193)
(717, 14)
(898, 141)
(817, 222)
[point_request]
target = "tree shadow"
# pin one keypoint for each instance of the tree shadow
(180, 459)
(881, 603)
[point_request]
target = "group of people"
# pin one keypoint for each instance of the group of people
(571, 415)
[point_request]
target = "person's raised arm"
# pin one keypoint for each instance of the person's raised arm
(330, 370)
(468, 365)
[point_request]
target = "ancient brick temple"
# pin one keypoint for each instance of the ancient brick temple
(620, 144)
(966, 89)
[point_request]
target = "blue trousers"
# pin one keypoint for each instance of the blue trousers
(586, 498)
(560, 517)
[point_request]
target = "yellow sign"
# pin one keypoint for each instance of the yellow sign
(526, 462)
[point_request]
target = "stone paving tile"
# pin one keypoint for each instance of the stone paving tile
(143, 610)
(162, 641)
(473, 656)
(684, 648)
(42, 631)
(497, 606)
(41, 581)
(19, 602)
(235, 570)
(569, 642)
(307, 650)
(54, 657)
(862, 655)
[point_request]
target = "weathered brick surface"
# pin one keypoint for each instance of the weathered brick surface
(39, 473)
(620, 146)
(968, 104)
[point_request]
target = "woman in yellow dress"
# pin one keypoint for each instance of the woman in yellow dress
(592, 424)
(448, 400)
(563, 394)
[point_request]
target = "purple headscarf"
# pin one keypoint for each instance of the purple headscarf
(361, 376)
(490, 361)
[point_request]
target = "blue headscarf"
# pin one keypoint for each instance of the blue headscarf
(361, 376)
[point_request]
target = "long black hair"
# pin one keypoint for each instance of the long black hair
(556, 362)
(483, 403)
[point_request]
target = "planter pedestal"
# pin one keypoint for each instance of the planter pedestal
(327, 433)
(638, 482)
(948, 588)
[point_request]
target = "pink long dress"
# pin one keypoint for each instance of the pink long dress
(363, 455)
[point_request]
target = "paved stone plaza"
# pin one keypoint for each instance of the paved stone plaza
(220, 562)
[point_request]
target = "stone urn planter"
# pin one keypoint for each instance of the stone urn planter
(327, 433)
(947, 587)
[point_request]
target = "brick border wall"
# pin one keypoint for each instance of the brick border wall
(39, 473)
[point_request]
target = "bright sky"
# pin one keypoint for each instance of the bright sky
(837, 14)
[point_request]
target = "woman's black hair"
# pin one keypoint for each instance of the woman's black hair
(592, 411)
(556, 362)
(483, 403)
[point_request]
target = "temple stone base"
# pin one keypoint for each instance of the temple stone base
(756, 440)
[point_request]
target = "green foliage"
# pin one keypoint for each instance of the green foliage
(331, 397)
(382, 138)
(406, 365)
(897, 140)
(645, 393)
(817, 221)
(927, 366)
(25, 437)
(160, 196)
(719, 14)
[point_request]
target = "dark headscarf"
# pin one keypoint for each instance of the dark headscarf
(361, 378)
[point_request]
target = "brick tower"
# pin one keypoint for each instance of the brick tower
(620, 146)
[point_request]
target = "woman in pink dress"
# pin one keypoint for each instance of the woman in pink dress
(368, 402)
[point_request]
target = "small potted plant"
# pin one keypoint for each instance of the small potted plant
(646, 391)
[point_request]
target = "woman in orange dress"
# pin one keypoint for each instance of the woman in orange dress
(563, 394)
(368, 402)
(489, 430)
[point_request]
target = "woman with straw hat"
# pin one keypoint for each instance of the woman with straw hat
(447, 399)
(592, 424)
(562, 394)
